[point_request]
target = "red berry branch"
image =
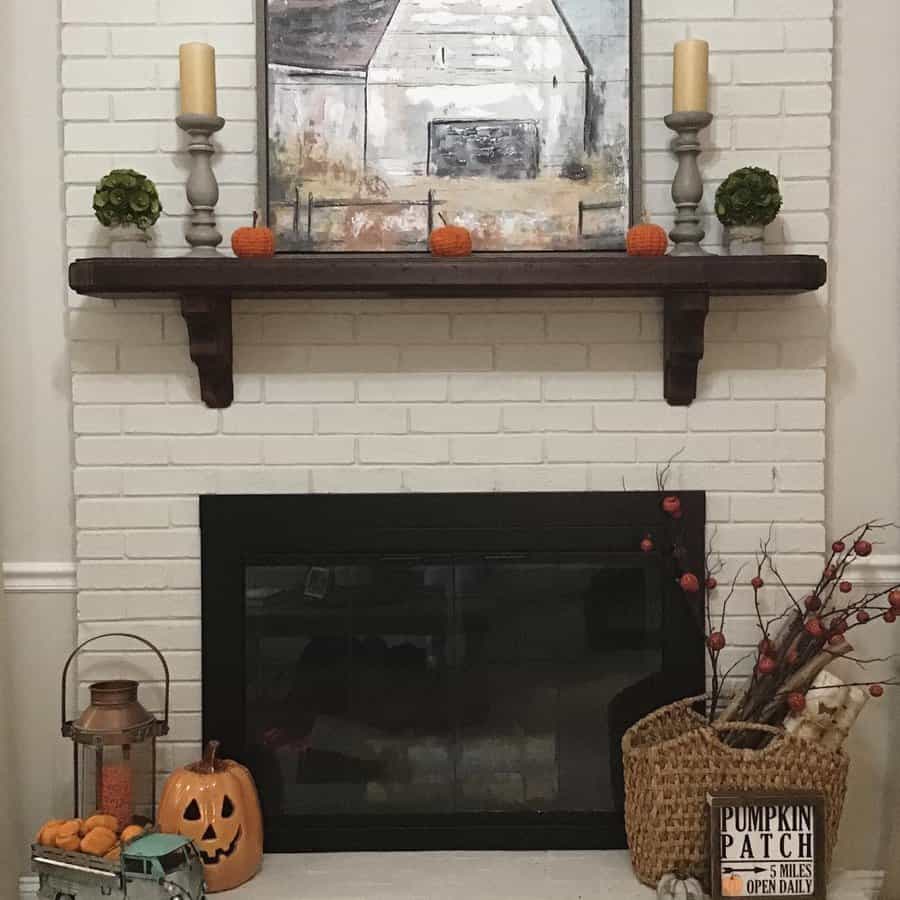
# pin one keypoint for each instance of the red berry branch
(795, 645)
(814, 635)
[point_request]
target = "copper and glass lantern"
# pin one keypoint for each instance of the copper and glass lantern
(114, 745)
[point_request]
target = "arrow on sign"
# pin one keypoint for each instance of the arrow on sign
(729, 869)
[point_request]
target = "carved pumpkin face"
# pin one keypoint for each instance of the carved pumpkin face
(214, 803)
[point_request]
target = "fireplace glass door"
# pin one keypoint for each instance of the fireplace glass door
(388, 686)
(443, 700)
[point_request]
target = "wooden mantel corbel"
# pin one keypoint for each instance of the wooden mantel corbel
(208, 318)
(684, 318)
(206, 288)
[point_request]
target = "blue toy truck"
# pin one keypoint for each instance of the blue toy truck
(151, 867)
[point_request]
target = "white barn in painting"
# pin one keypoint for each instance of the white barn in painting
(405, 88)
(507, 61)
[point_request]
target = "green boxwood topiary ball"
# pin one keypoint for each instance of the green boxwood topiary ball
(748, 196)
(126, 197)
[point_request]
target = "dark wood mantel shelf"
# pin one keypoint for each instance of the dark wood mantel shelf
(206, 288)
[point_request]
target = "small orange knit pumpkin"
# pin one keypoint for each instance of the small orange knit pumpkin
(450, 240)
(255, 241)
(647, 239)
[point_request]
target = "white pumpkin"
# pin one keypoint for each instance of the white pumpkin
(675, 887)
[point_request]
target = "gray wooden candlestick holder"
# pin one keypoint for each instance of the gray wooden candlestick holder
(202, 187)
(687, 188)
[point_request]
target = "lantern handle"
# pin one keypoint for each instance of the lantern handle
(134, 637)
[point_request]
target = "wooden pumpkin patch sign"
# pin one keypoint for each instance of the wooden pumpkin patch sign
(768, 844)
(214, 803)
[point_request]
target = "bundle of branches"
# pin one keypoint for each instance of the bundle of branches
(796, 645)
(813, 631)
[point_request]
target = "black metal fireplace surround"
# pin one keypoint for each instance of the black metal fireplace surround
(451, 671)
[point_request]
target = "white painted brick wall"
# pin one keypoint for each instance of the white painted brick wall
(337, 396)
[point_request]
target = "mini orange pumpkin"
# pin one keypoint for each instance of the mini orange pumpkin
(130, 832)
(450, 240)
(214, 803)
(68, 828)
(99, 820)
(647, 239)
(48, 831)
(68, 842)
(99, 841)
(732, 886)
(254, 241)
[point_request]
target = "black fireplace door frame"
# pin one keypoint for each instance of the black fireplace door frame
(242, 530)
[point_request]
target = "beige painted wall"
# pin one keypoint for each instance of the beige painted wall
(42, 629)
(36, 630)
(35, 467)
(864, 368)
(864, 377)
(10, 825)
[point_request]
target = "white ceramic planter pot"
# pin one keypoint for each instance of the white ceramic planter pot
(745, 240)
(128, 241)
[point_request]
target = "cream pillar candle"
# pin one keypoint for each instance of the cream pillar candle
(690, 82)
(198, 79)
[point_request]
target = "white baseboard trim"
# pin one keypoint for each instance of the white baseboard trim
(28, 887)
(59, 577)
(39, 577)
(877, 570)
(856, 884)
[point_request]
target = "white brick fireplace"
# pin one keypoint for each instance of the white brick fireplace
(344, 395)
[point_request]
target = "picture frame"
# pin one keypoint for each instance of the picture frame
(327, 205)
(767, 843)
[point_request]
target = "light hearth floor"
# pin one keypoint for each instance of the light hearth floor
(474, 876)
(466, 876)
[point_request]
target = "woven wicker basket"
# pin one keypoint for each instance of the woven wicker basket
(673, 758)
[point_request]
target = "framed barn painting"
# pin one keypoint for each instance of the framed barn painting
(515, 118)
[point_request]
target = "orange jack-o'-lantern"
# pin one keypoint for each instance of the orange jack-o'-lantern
(214, 803)
(732, 886)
